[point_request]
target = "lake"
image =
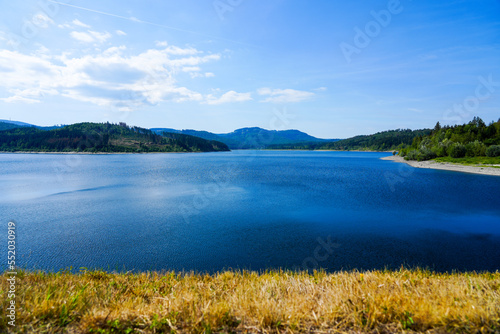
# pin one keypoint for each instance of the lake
(246, 210)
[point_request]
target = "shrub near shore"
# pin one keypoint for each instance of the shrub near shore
(274, 301)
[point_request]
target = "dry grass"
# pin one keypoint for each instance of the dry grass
(274, 302)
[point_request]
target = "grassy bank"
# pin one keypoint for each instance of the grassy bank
(277, 302)
(471, 161)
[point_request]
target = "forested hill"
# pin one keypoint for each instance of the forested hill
(381, 141)
(252, 138)
(102, 137)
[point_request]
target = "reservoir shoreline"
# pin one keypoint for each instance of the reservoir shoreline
(483, 170)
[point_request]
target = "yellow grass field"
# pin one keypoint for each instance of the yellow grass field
(249, 302)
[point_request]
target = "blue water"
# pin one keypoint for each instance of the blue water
(246, 210)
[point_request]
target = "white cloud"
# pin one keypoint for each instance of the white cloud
(114, 51)
(100, 36)
(121, 33)
(191, 69)
(229, 97)
(161, 43)
(82, 36)
(79, 23)
(195, 73)
(42, 51)
(90, 36)
(284, 95)
(73, 24)
(108, 78)
(18, 98)
(175, 50)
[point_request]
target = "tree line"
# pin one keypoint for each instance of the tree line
(381, 141)
(473, 139)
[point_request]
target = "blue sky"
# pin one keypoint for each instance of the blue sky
(333, 69)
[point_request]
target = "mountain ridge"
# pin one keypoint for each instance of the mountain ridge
(242, 138)
(252, 137)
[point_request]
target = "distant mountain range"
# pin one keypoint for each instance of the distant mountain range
(6, 125)
(258, 138)
(252, 138)
(246, 138)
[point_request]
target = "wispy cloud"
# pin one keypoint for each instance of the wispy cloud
(17, 98)
(78, 23)
(74, 24)
(137, 20)
(82, 36)
(91, 36)
(229, 97)
(161, 43)
(284, 95)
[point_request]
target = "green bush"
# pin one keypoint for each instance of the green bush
(475, 149)
(493, 151)
(412, 155)
(440, 150)
(426, 154)
(426, 143)
(403, 152)
(457, 150)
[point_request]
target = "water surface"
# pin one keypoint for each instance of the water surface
(248, 210)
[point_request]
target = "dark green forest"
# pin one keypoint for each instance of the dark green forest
(474, 139)
(102, 137)
(381, 141)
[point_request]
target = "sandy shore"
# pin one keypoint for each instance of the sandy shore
(484, 170)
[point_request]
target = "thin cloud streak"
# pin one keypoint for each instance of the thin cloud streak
(136, 20)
